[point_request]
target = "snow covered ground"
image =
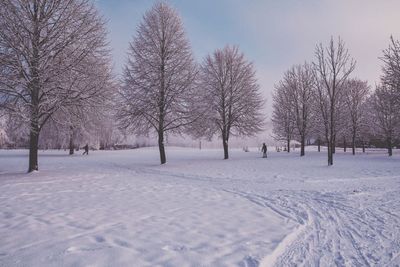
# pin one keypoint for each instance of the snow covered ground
(121, 208)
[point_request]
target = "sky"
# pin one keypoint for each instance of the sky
(274, 35)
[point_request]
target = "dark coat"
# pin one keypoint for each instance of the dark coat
(264, 149)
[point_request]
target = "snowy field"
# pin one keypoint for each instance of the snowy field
(121, 208)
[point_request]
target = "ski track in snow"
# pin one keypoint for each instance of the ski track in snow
(335, 229)
(213, 212)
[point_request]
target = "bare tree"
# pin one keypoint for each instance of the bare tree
(356, 94)
(386, 99)
(366, 125)
(41, 45)
(75, 126)
(82, 117)
(342, 132)
(4, 139)
(72, 125)
(391, 66)
(16, 131)
(299, 82)
(283, 114)
(158, 79)
(384, 113)
(230, 88)
(332, 67)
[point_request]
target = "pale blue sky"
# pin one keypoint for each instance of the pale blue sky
(272, 34)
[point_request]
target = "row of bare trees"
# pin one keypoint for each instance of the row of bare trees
(57, 81)
(56, 84)
(164, 90)
(321, 101)
(292, 105)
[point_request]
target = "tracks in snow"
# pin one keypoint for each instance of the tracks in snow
(339, 228)
(335, 229)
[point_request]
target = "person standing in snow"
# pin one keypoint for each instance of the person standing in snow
(264, 150)
(86, 149)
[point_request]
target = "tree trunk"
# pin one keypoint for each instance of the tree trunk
(389, 146)
(344, 144)
(161, 146)
(225, 144)
(330, 152)
(353, 144)
(334, 145)
(33, 147)
(363, 146)
(102, 146)
(71, 146)
(34, 130)
(331, 134)
(319, 145)
(161, 104)
(288, 145)
(71, 141)
(302, 146)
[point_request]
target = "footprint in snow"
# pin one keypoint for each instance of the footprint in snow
(122, 243)
(80, 226)
(8, 215)
(249, 261)
(99, 239)
(174, 248)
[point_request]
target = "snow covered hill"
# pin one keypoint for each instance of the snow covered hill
(121, 208)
